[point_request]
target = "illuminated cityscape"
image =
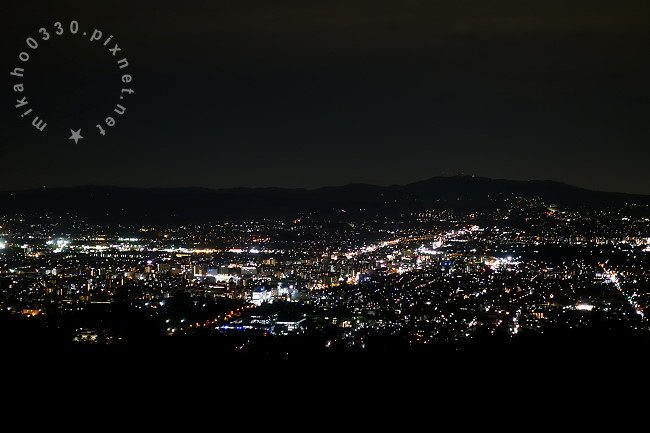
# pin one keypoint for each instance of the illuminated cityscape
(331, 283)
(190, 186)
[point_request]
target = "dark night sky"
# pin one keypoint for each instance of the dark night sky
(310, 93)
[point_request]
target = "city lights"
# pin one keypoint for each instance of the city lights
(419, 278)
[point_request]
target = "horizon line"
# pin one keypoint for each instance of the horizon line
(456, 176)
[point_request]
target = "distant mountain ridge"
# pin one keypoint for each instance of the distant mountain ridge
(201, 203)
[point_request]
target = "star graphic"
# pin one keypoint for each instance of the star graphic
(76, 135)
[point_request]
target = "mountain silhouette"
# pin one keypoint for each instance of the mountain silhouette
(463, 192)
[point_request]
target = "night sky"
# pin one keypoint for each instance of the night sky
(305, 93)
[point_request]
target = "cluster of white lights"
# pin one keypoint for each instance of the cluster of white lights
(60, 244)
